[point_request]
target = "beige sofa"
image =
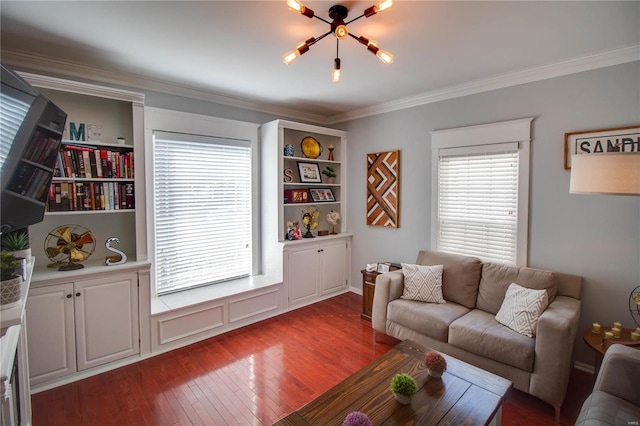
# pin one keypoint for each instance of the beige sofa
(465, 326)
(615, 399)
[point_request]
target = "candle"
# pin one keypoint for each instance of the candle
(617, 325)
(608, 335)
(595, 328)
(635, 336)
(616, 332)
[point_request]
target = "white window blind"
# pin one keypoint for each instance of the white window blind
(478, 202)
(12, 113)
(202, 207)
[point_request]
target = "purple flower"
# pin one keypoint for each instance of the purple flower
(356, 418)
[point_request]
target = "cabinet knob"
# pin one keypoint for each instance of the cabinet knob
(77, 294)
(69, 296)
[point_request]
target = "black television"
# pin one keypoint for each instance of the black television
(31, 128)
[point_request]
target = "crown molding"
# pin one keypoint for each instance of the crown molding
(529, 75)
(43, 64)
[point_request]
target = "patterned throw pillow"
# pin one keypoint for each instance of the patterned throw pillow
(521, 309)
(422, 283)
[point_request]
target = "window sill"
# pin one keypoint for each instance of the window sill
(196, 296)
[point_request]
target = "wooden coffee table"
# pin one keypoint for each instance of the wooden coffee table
(465, 394)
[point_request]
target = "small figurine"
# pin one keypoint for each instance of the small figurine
(297, 235)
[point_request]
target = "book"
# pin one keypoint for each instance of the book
(129, 199)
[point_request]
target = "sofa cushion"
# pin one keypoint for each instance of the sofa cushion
(478, 332)
(460, 276)
(429, 319)
(422, 283)
(496, 279)
(521, 309)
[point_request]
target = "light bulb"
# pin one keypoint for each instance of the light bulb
(385, 56)
(301, 47)
(290, 57)
(335, 76)
(341, 32)
(295, 5)
(383, 5)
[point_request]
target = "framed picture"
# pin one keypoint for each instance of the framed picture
(309, 172)
(383, 268)
(296, 196)
(620, 139)
(320, 195)
(383, 189)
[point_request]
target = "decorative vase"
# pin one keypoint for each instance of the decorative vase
(403, 399)
(24, 253)
(288, 150)
(434, 373)
(10, 292)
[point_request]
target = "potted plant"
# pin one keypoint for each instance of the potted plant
(10, 282)
(17, 243)
(330, 173)
(403, 387)
(435, 363)
(357, 418)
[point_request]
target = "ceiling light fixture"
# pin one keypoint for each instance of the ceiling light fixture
(339, 29)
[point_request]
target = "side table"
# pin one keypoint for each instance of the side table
(598, 343)
(368, 289)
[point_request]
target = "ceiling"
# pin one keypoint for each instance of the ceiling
(231, 51)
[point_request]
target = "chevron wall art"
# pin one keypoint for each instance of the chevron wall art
(383, 189)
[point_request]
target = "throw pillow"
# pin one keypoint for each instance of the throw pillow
(422, 283)
(522, 308)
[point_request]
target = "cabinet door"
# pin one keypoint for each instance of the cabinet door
(50, 337)
(107, 321)
(302, 274)
(334, 262)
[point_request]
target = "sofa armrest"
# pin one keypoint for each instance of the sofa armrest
(555, 338)
(389, 287)
(619, 374)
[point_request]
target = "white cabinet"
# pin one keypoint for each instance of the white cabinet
(83, 324)
(333, 266)
(51, 337)
(316, 269)
(107, 321)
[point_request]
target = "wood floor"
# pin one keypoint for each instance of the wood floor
(253, 376)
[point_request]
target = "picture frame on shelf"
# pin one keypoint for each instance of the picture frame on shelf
(309, 172)
(322, 195)
(619, 139)
(294, 196)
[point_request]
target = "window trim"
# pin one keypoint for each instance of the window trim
(158, 119)
(503, 132)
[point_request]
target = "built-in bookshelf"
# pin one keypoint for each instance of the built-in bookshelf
(92, 177)
(96, 179)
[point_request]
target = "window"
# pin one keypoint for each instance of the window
(202, 207)
(481, 180)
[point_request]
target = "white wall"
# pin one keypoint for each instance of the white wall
(595, 236)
